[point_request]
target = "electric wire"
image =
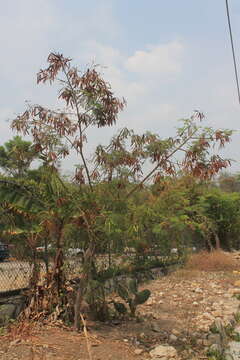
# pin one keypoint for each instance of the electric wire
(233, 50)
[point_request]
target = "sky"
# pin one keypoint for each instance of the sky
(167, 58)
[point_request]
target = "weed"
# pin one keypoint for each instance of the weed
(237, 317)
(215, 355)
(2, 331)
(214, 329)
(229, 329)
(237, 296)
(236, 336)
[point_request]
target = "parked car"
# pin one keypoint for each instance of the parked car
(4, 252)
(41, 249)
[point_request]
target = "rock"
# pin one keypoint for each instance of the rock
(150, 302)
(138, 351)
(206, 342)
(175, 332)
(216, 347)
(228, 357)
(6, 313)
(173, 338)
(217, 313)
(234, 291)
(233, 350)
(237, 283)
(195, 303)
(214, 339)
(207, 316)
(237, 330)
(163, 352)
(11, 307)
(155, 327)
(232, 321)
(15, 342)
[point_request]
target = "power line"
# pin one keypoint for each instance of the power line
(233, 51)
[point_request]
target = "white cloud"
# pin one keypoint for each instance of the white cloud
(160, 82)
(160, 59)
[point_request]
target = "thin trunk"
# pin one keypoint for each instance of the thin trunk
(46, 255)
(82, 288)
(217, 241)
(159, 165)
(109, 254)
(209, 244)
(77, 308)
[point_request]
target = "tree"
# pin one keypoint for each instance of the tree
(16, 156)
(229, 182)
(89, 102)
(224, 211)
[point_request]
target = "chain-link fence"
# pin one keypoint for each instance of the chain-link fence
(15, 266)
(14, 274)
(17, 263)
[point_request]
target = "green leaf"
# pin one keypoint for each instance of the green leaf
(142, 297)
(133, 286)
(123, 292)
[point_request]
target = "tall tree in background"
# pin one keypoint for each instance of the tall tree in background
(16, 156)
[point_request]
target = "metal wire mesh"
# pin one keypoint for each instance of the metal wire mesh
(14, 274)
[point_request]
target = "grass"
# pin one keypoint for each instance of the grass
(217, 260)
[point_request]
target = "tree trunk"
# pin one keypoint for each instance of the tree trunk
(82, 288)
(217, 241)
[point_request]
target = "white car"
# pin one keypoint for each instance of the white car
(75, 251)
(41, 249)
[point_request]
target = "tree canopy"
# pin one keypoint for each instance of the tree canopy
(16, 156)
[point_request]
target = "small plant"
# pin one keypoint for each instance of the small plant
(96, 299)
(229, 329)
(2, 331)
(237, 296)
(236, 336)
(237, 317)
(215, 355)
(130, 294)
(214, 329)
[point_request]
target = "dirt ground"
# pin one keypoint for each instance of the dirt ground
(179, 312)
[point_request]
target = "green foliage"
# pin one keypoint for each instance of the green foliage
(215, 355)
(237, 317)
(223, 209)
(16, 156)
(95, 297)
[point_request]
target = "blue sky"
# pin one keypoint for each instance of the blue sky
(165, 58)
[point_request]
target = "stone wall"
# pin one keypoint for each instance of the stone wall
(11, 306)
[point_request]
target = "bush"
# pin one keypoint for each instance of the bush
(211, 261)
